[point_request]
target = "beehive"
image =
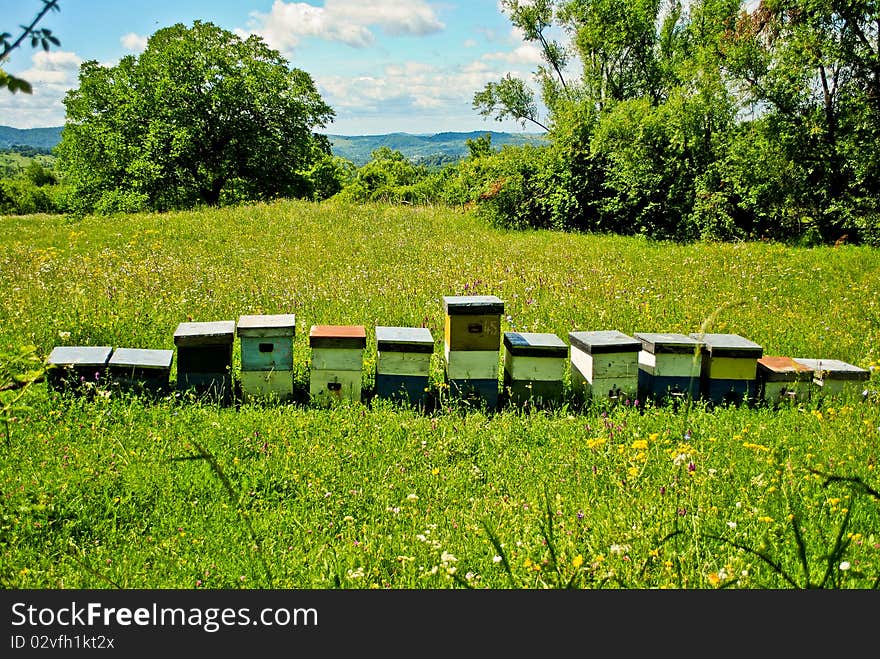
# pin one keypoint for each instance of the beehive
(337, 363)
(71, 367)
(403, 363)
(267, 355)
(669, 366)
(204, 357)
(534, 367)
(472, 345)
(781, 379)
(833, 377)
(141, 370)
(604, 365)
(729, 369)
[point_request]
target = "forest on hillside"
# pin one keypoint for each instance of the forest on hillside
(711, 120)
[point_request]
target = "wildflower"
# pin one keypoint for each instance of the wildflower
(496, 558)
(845, 566)
(435, 471)
(577, 561)
(766, 519)
(446, 557)
(640, 444)
(731, 525)
(692, 467)
(580, 514)
(412, 497)
(653, 436)
(679, 459)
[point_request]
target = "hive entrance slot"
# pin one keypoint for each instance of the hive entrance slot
(266, 347)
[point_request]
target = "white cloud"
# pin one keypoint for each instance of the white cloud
(134, 42)
(345, 21)
(52, 74)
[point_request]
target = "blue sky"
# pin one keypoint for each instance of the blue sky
(383, 65)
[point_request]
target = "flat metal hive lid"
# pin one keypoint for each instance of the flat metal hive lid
(205, 333)
(539, 344)
(729, 345)
(663, 342)
(79, 355)
(338, 336)
(834, 369)
(267, 325)
(404, 339)
(142, 358)
(604, 341)
(775, 368)
(472, 304)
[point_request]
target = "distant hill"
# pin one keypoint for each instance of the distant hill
(38, 138)
(429, 149)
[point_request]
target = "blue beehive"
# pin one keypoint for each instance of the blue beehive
(534, 366)
(403, 363)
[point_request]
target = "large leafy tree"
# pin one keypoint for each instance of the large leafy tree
(199, 116)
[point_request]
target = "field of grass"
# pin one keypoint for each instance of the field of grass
(117, 491)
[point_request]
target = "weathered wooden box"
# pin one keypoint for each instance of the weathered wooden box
(730, 368)
(472, 346)
(534, 367)
(604, 365)
(72, 367)
(669, 366)
(337, 361)
(266, 342)
(403, 363)
(782, 379)
(204, 357)
(833, 377)
(141, 370)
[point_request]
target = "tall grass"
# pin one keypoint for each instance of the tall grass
(118, 491)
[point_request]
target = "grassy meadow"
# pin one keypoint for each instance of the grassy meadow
(116, 491)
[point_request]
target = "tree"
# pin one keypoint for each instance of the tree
(42, 37)
(199, 115)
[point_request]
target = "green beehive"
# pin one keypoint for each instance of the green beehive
(782, 379)
(74, 367)
(141, 370)
(267, 355)
(534, 367)
(337, 361)
(204, 357)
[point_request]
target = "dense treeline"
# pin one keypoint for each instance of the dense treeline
(720, 120)
(723, 120)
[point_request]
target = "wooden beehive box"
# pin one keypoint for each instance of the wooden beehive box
(833, 377)
(266, 343)
(142, 370)
(472, 345)
(204, 357)
(669, 366)
(781, 379)
(730, 368)
(337, 362)
(604, 365)
(534, 367)
(72, 367)
(403, 363)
